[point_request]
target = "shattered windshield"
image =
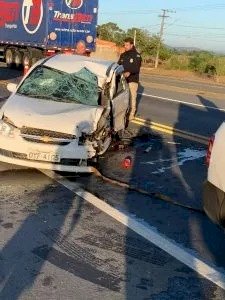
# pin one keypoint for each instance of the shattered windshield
(51, 84)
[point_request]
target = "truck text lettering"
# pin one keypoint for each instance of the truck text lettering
(9, 12)
(72, 18)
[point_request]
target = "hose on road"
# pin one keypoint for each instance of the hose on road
(155, 195)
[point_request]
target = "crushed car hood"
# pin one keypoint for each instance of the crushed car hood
(71, 118)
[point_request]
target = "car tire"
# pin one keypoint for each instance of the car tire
(9, 58)
(214, 203)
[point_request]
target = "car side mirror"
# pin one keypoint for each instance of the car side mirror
(11, 87)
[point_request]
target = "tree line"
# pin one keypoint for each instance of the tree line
(203, 62)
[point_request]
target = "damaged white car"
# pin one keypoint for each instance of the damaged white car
(63, 113)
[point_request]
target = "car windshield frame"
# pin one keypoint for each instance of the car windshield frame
(50, 84)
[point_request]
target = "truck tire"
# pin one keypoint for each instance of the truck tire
(9, 58)
(34, 60)
(27, 59)
(18, 59)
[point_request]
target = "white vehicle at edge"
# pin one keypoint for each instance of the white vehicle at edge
(63, 113)
(214, 187)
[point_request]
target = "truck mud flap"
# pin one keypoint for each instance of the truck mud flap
(214, 203)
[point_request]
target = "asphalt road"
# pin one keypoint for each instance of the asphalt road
(55, 245)
(185, 83)
(193, 113)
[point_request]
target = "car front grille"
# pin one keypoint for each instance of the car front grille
(46, 136)
(54, 141)
(48, 133)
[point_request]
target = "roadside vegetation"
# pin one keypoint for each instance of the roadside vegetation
(198, 61)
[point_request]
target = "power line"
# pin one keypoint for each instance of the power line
(197, 27)
(195, 37)
(133, 12)
(180, 9)
(202, 7)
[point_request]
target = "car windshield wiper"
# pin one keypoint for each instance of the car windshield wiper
(51, 97)
(29, 95)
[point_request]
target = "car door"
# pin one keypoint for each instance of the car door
(120, 100)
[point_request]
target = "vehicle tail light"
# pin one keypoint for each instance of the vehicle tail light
(209, 151)
(67, 51)
(50, 52)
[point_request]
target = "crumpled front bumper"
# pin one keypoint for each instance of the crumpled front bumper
(14, 149)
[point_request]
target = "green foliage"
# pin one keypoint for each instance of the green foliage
(219, 63)
(177, 62)
(202, 62)
(111, 32)
(199, 61)
(145, 42)
(165, 53)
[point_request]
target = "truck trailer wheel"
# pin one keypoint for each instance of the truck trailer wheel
(26, 59)
(18, 59)
(9, 58)
(34, 60)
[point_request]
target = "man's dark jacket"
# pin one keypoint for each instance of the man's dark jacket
(131, 61)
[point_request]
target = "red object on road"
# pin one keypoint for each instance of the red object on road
(127, 162)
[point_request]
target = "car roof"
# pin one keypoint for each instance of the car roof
(103, 69)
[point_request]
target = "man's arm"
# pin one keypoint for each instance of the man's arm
(120, 61)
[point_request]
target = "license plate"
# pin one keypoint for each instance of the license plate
(44, 156)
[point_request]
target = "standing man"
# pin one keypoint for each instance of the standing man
(131, 61)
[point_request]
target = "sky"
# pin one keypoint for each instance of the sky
(190, 23)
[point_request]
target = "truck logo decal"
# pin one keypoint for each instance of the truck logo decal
(9, 12)
(32, 15)
(74, 4)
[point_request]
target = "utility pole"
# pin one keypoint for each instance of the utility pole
(163, 16)
(135, 36)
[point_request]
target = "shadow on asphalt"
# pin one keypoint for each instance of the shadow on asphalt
(148, 268)
(9, 74)
(212, 236)
(174, 168)
(139, 95)
(155, 168)
(38, 234)
(168, 219)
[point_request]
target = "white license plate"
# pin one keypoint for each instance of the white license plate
(44, 156)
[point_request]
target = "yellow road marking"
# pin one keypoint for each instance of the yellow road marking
(171, 130)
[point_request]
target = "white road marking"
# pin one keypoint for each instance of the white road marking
(182, 157)
(182, 102)
(148, 232)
